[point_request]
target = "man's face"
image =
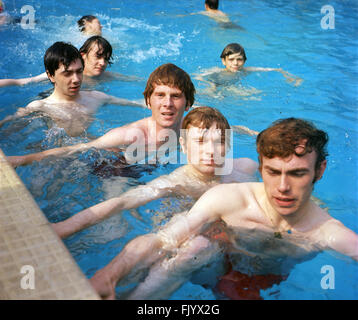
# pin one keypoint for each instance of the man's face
(233, 62)
(168, 105)
(95, 63)
(68, 81)
(205, 148)
(289, 182)
(93, 28)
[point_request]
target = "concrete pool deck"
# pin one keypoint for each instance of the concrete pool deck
(34, 262)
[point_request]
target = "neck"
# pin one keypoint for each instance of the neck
(285, 222)
(192, 171)
(63, 98)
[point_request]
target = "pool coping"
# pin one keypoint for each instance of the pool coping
(34, 262)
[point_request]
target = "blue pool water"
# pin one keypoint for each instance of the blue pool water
(145, 34)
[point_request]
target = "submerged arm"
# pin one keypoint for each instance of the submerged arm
(131, 199)
(113, 138)
(34, 106)
(144, 250)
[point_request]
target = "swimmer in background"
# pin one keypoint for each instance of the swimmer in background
(270, 226)
(3, 14)
(212, 11)
(68, 106)
(233, 57)
(90, 25)
(203, 140)
(97, 55)
(168, 93)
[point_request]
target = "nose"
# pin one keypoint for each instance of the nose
(284, 185)
(101, 61)
(76, 77)
(167, 100)
(209, 147)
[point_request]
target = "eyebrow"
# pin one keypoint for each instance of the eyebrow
(295, 170)
(71, 71)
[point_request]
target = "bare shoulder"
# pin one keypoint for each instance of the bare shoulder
(36, 104)
(245, 165)
(94, 94)
(232, 192)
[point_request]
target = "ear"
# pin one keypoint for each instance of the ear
(148, 104)
(320, 170)
(182, 144)
(223, 61)
(51, 78)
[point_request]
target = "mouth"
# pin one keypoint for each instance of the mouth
(168, 115)
(75, 89)
(284, 201)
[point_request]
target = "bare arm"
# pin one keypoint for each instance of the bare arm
(108, 99)
(131, 199)
(341, 239)
(244, 130)
(20, 82)
(288, 76)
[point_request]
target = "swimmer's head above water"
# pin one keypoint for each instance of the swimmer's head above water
(212, 4)
(2, 8)
(90, 25)
(291, 136)
(64, 67)
(60, 53)
(204, 140)
(233, 57)
(97, 54)
(172, 76)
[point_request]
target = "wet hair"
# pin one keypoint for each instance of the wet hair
(212, 4)
(105, 48)
(82, 22)
(204, 117)
(284, 136)
(60, 52)
(170, 75)
(233, 48)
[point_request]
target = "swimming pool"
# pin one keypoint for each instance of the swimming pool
(145, 34)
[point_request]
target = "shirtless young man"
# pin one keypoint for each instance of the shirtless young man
(233, 57)
(203, 139)
(212, 11)
(96, 53)
(68, 107)
(169, 92)
(270, 226)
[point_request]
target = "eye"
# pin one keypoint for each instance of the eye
(298, 174)
(273, 172)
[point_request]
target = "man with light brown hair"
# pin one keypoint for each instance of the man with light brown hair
(270, 226)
